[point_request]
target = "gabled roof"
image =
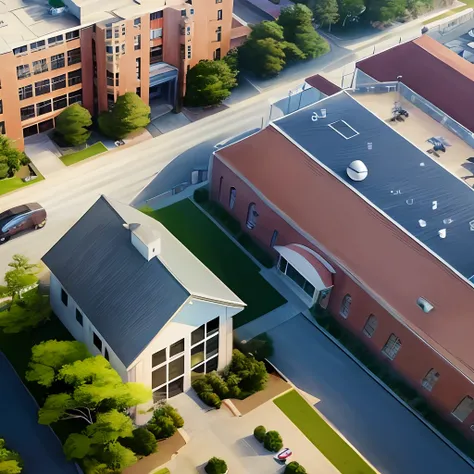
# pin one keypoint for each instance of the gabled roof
(433, 71)
(349, 222)
(127, 298)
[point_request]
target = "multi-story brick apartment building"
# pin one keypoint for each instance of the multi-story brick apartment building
(91, 51)
(369, 216)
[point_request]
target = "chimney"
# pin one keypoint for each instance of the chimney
(147, 241)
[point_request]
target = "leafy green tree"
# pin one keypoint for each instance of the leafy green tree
(273, 441)
(26, 313)
(128, 114)
(326, 12)
(252, 372)
(216, 466)
(72, 125)
(10, 461)
(292, 52)
(22, 275)
(294, 468)
(392, 10)
(142, 442)
(267, 29)
(48, 357)
(263, 57)
(209, 83)
(162, 426)
(259, 433)
(310, 43)
(232, 60)
(11, 159)
(350, 9)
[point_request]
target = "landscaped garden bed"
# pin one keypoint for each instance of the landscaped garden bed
(331, 445)
(210, 245)
(73, 158)
(8, 185)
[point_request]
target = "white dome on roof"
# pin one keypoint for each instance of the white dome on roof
(357, 171)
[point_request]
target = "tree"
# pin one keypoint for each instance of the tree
(165, 421)
(252, 372)
(294, 468)
(216, 466)
(326, 12)
(142, 442)
(22, 275)
(392, 10)
(10, 461)
(92, 385)
(267, 29)
(273, 441)
(232, 60)
(72, 125)
(259, 432)
(310, 43)
(48, 357)
(26, 313)
(350, 9)
(292, 52)
(263, 57)
(209, 83)
(11, 159)
(128, 114)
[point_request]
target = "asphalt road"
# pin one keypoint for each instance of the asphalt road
(37, 444)
(380, 428)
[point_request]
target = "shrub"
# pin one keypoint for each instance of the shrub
(294, 468)
(161, 426)
(211, 399)
(252, 372)
(201, 195)
(219, 387)
(200, 385)
(72, 125)
(216, 466)
(260, 346)
(273, 441)
(142, 442)
(259, 432)
(173, 413)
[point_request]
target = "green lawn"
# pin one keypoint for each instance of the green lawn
(469, 4)
(208, 243)
(331, 445)
(12, 184)
(92, 150)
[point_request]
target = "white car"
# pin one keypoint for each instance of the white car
(283, 455)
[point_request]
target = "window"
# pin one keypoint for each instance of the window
(176, 368)
(217, 52)
(183, 12)
(1, 106)
(137, 42)
(197, 355)
(158, 358)
(345, 306)
(55, 40)
(110, 78)
(274, 238)
(40, 66)
(25, 92)
(20, 50)
(464, 409)
(219, 14)
(139, 91)
(72, 35)
(97, 341)
(122, 46)
(176, 387)
(58, 82)
(392, 346)
(43, 107)
(218, 1)
(221, 180)
(156, 54)
(64, 297)
(108, 33)
(106, 354)
(212, 327)
(232, 196)
(27, 112)
(2, 128)
(197, 371)
(212, 346)
(42, 87)
(211, 365)
(430, 380)
(109, 49)
(370, 326)
(138, 63)
(123, 30)
(79, 317)
(158, 377)
(137, 22)
(60, 102)
(74, 77)
(75, 97)
(182, 51)
(156, 33)
(197, 335)
(57, 61)
(156, 15)
(160, 394)
(252, 215)
(219, 34)
(177, 348)
(189, 52)
(110, 100)
(23, 71)
(46, 125)
(37, 45)
(29, 131)
(73, 56)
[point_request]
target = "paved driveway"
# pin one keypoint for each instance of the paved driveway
(38, 446)
(388, 435)
(44, 154)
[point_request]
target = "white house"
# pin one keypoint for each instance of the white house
(125, 286)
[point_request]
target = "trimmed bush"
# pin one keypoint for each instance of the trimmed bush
(168, 410)
(259, 432)
(201, 195)
(211, 399)
(273, 441)
(200, 385)
(216, 466)
(162, 427)
(218, 385)
(143, 442)
(294, 468)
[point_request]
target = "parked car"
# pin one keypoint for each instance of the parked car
(283, 455)
(21, 218)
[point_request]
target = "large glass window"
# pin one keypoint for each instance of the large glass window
(73, 56)
(197, 335)
(27, 112)
(212, 327)
(23, 71)
(37, 45)
(58, 82)
(60, 102)
(176, 387)
(156, 33)
(25, 92)
(156, 15)
(158, 377)
(40, 66)
(212, 346)
(57, 61)
(158, 358)
(156, 54)
(42, 87)
(159, 394)
(74, 77)
(75, 97)
(211, 365)
(177, 348)
(72, 35)
(392, 346)
(176, 368)
(197, 355)
(295, 276)
(20, 50)
(43, 107)
(55, 40)
(464, 409)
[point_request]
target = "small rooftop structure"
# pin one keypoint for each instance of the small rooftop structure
(322, 84)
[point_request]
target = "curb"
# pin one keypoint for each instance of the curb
(448, 443)
(230, 405)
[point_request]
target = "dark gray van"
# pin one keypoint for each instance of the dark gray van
(21, 218)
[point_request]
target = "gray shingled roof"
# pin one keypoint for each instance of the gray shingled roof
(127, 298)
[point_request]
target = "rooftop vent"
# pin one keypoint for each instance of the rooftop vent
(357, 171)
(344, 129)
(442, 233)
(422, 223)
(146, 240)
(424, 305)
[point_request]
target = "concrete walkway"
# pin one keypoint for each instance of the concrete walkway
(43, 154)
